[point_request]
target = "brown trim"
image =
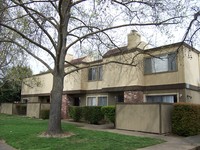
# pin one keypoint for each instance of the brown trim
(165, 87)
(192, 87)
(124, 88)
(34, 95)
(75, 92)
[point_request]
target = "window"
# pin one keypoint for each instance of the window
(95, 73)
(161, 63)
(97, 101)
(91, 101)
(102, 101)
(162, 98)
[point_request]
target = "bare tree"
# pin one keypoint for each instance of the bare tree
(58, 26)
(10, 54)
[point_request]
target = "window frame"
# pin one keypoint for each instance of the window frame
(98, 76)
(149, 60)
(97, 99)
(162, 95)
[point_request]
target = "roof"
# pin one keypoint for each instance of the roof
(121, 50)
(115, 51)
(77, 60)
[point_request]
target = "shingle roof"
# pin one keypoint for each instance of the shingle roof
(78, 60)
(115, 51)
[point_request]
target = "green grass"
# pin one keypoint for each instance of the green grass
(22, 133)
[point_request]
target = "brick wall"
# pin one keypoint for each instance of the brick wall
(65, 107)
(133, 97)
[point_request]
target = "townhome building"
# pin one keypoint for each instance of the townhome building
(129, 74)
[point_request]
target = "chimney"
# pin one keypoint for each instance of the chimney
(134, 39)
(69, 57)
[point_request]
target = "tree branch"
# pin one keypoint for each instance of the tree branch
(28, 39)
(30, 53)
(165, 22)
(105, 63)
(37, 22)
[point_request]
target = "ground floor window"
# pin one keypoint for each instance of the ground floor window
(97, 101)
(162, 98)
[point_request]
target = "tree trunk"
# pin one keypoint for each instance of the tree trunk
(55, 106)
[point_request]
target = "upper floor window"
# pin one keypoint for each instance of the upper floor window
(161, 63)
(95, 73)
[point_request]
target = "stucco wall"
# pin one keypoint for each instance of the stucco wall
(192, 96)
(191, 67)
(39, 84)
(167, 77)
(72, 81)
(144, 117)
(7, 108)
(117, 75)
(33, 110)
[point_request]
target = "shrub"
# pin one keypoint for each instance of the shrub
(186, 119)
(109, 113)
(75, 112)
(44, 114)
(93, 114)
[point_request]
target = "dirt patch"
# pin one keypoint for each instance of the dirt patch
(61, 135)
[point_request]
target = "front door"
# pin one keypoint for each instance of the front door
(76, 101)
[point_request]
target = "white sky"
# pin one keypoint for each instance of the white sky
(149, 35)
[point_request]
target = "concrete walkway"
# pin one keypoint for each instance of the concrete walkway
(4, 146)
(172, 142)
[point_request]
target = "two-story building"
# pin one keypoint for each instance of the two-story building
(131, 74)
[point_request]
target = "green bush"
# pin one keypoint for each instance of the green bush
(93, 114)
(109, 113)
(44, 114)
(75, 112)
(186, 119)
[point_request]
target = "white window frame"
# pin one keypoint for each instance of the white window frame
(157, 63)
(161, 94)
(96, 96)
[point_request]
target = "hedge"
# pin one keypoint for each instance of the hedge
(109, 113)
(75, 112)
(93, 114)
(186, 119)
(44, 114)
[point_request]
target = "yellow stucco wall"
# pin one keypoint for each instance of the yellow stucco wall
(117, 75)
(191, 67)
(153, 118)
(37, 84)
(166, 77)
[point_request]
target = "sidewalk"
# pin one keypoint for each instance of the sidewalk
(4, 146)
(172, 142)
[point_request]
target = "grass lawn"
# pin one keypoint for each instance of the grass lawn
(22, 133)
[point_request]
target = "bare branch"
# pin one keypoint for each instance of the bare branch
(99, 64)
(39, 25)
(28, 39)
(30, 53)
(165, 22)
(77, 2)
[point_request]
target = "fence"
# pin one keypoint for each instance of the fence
(34, 109)
(145, 117)
(29, 109)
